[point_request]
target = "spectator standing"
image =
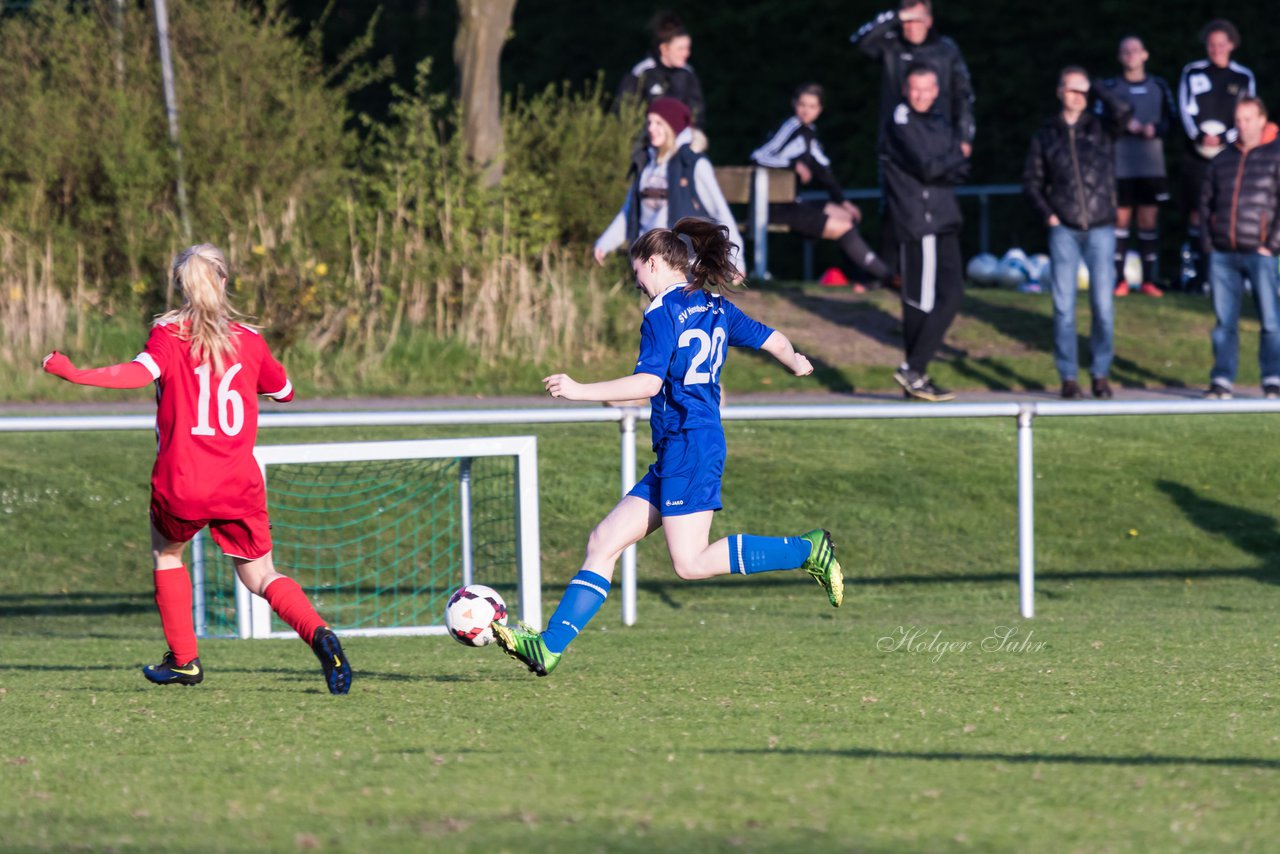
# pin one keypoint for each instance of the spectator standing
(1208, 92)
(922, 160)
(794, 145)
(1070, 179)
(1141, 181)
(666, 72)
(1239, 205)
(897, 40)
(669, 181)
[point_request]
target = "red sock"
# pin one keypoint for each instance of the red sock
(287, 599)
(173, 598)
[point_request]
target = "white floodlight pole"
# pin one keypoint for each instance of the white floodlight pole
(171, 108)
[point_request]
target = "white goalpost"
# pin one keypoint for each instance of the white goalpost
(379, 533)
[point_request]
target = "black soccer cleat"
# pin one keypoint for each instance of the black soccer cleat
(168, 672)
(337, 670)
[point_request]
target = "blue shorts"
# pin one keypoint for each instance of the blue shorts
(686, 477)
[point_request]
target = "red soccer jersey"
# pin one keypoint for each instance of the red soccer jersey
(206, 425)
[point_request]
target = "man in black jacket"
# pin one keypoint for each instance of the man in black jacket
(922, 160)
(1239, 205)
(896, 40)
(1070, 179)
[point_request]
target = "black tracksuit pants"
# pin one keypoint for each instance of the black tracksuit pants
(932, 290)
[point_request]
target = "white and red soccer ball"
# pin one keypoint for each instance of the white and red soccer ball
(471, 613)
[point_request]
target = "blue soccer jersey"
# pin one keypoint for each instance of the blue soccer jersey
(683, 340)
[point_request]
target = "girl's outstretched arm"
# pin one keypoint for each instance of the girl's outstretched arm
(124, 375)
(633, 387)
(779, 347)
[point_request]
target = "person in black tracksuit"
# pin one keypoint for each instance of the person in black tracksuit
(665, 72)
(794, 145)
(922, 160)
(896, 39)
(1208, 91)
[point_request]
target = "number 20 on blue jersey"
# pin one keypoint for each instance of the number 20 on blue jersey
(710, 348)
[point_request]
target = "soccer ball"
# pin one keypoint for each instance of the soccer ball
(471, 613)
(1133, 268)
(982, 269)
(1038, 267)
(1012, 270)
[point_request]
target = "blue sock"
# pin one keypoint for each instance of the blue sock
(581, 600)
(749, 554)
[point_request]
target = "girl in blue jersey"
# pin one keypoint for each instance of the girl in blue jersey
(683, 339)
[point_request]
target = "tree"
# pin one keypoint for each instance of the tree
(483, 26)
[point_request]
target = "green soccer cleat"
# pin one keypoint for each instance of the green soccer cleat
(823, 566)
(525, 645)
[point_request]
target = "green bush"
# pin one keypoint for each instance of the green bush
(339, 235)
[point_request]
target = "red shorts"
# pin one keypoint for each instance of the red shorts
(248, 537)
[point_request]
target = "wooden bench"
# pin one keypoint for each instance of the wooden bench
(757, 187)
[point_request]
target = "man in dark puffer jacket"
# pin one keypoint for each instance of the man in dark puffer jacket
(1239, 205)
(1070, 178)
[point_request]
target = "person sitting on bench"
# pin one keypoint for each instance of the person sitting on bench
(794, 145)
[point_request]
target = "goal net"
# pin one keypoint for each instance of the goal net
(380, 533)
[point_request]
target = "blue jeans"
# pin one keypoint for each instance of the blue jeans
(1227, 272)
(1098, 248)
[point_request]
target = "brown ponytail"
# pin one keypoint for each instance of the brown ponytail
(700, 246)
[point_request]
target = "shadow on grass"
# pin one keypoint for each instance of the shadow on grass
(1032, 329)
(73, 604)
(1255, 533)
(1035, 331)
(1017, 758)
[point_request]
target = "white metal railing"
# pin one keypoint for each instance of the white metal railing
(1023, 413)
(759, 216)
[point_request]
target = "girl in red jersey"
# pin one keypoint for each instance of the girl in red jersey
(209, 370)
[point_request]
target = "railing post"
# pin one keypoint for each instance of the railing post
(984, 222)
(760, 224)
(627, 427)
(1026, 514)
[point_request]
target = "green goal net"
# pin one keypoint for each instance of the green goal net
(380, 533)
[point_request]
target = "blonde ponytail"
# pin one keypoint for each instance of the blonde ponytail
(206, 315)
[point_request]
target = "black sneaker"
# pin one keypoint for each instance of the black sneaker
(337, 670)
(1071, 390)
(919, 387)
(1218, 391)
(167, 672)
(1102, 388)
(1271, 391)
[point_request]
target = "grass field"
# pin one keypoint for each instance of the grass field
(1136, 712)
